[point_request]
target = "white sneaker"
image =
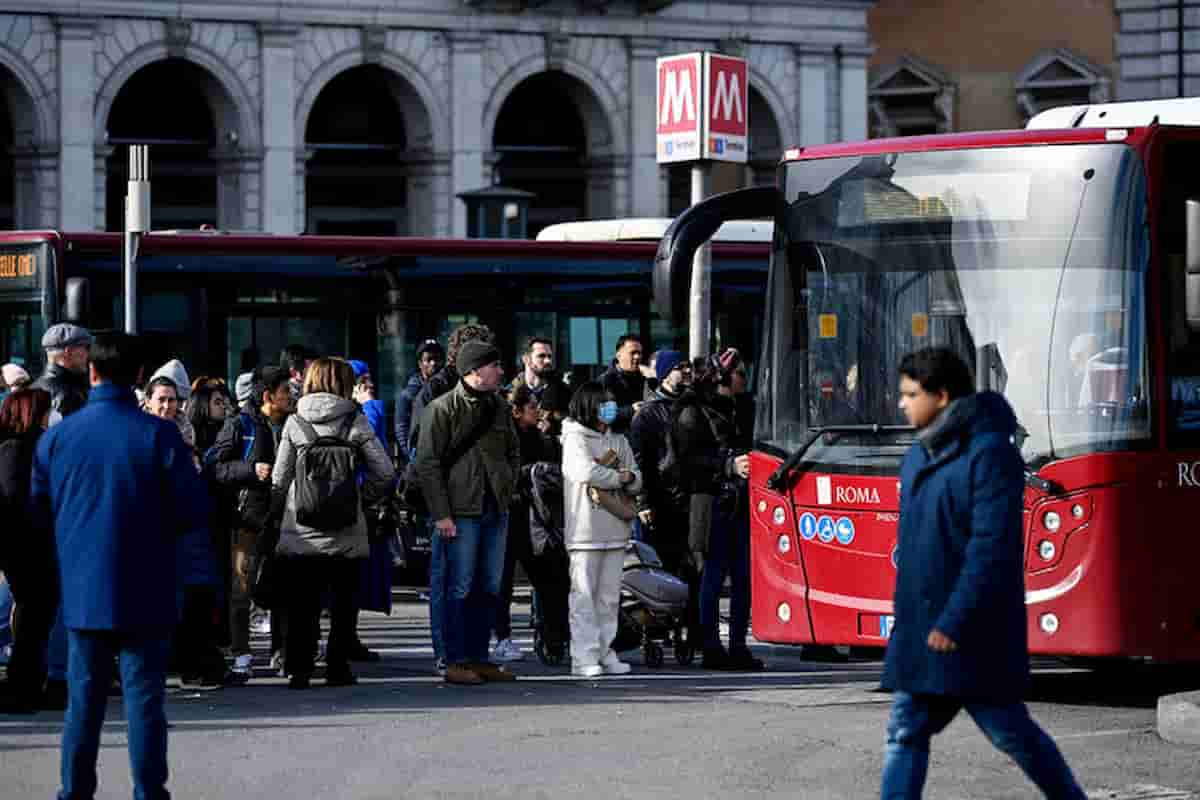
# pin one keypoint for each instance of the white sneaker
(439, 667)
(277, 664)
(507, 650)
(260, 623)
(612, 665)
(587, 670)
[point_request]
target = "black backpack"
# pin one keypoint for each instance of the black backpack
(326, 478)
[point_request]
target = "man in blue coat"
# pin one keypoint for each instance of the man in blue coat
(959, 639)
(119, 487)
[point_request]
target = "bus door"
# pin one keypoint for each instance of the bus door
(1176, 549)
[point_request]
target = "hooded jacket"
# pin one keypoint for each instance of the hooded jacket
(442, 381)
(960, 557)
(590, 527)
(707, 437)
(327, 414)
(68, 391)
(174, 370)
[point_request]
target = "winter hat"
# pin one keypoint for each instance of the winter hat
(15, 374)
(174, 370)
(360, 368)
(243, 387)
(725, 362)
(475, 354)
(64, 335)
(666, 361)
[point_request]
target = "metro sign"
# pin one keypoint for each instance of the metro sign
(703, 108)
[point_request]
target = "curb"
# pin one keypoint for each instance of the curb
(1179, 718)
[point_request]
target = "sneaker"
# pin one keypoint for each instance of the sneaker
(462, 676)
(507, 650)
(742, 660)
(243, 666)
(491, 672)
(320, 657)
(277, 664)
(587, 670)
(439, 667)
(612, 665)
(260, 622)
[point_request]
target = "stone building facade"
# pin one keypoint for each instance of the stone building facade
(445, 71)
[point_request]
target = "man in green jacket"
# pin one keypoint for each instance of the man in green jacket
(467, 459)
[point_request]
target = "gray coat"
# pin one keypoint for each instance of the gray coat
(327, 413)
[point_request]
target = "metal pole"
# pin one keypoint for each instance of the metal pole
(137, 222)
(700, 301)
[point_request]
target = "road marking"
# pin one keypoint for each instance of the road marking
(1094, 734)
(1141, 791)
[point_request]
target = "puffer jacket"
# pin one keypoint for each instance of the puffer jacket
(492, 463)
(327, 414)
(650, 439)
(590, 527)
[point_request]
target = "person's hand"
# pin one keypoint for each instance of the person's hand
(741, 466)
(263, 471)
(940, 643)
(646, 516)
(446, 528)
(364, 393)
(626, 476)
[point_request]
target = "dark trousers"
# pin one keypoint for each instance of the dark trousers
(33, 579)
(728, 553)
(517, 550)
(669, 538)
(143, 662)
(306, 579)
(197, 649)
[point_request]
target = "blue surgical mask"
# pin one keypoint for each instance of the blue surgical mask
(608, 412)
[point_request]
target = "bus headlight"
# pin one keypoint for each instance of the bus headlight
(762, 506)
(1046, 549)
(784, 612)
(1048, 623)
(1077, 511)
(784, 544)
(779, 515)
(1052, 521)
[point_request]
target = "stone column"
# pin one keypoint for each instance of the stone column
(100, 155)
(599, 202)
(852, 66)
(812, 110)
(76, 122)
(232, 166)
(426, 186)
(27, 174)
(300, 170)
(466, 167)
(646, 197)
(278, 73)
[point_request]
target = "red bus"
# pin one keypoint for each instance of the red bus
(1063, 261)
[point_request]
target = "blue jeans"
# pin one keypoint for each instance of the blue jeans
(474, 568)
(437, 592)
(57, 651)
(143, 662)
(916, 718)
(728, 552)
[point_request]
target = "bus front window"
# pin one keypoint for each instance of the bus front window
(21, 329)
(1029, 262)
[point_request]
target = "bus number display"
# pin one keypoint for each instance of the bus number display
(18, 265)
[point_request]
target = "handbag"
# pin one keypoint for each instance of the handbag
(615, 501)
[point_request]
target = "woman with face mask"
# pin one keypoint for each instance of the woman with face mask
(600, 479)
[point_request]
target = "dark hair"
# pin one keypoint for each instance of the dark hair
(627, 337)
(294, 355)
(555, 397)
(203, 423)
(23, 411)
(938, 369)
(117, 357)
(521, 396)
(467, 333)
(161, 380)
(268, 379)
(430, 346)
(536, 340)
(585, 403)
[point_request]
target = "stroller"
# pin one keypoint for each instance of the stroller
(653, 601)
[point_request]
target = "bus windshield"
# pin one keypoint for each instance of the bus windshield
(21, 329)
(1029, 262)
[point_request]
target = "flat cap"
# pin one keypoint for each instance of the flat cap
(64, 334)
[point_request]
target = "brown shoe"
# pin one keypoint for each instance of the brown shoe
(492, 673)
(463, 676)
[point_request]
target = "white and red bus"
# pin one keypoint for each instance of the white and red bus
(1063, 261)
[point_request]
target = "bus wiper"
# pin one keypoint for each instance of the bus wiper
(780, 477)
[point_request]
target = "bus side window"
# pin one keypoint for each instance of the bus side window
(1183, 344)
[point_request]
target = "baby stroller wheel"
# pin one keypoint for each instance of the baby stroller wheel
(652, 654)
(684, 652)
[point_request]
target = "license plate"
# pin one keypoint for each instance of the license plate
(886, 623)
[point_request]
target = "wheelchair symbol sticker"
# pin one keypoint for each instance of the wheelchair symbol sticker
(808, 526)
(825, 529)
(844, 530)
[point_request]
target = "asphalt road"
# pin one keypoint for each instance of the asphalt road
(802, 729)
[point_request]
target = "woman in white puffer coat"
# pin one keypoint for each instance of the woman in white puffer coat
(596, 461)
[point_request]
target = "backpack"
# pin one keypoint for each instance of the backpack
(326, 482)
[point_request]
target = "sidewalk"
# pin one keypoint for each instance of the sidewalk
(1179, 718)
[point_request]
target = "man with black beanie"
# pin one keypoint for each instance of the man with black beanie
(467, 460)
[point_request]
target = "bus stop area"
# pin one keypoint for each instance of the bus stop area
(802, 729)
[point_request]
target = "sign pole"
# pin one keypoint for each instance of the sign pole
(700, 299)
(137, 222)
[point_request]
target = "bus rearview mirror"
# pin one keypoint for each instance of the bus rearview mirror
(1192, 263)
(78, 301)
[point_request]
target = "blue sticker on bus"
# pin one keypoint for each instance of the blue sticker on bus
(808, 526)
(825, 529)
(844, 530)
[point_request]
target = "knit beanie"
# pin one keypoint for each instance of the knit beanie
(475, 354)
(360, 368)
(666, 361)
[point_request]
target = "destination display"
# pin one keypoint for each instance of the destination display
(21, 265)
